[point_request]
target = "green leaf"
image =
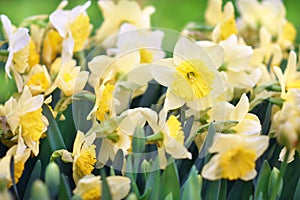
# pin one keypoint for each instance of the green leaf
(236, 190)
(274, 176)
(223, 190)
(54, 136)
(118, 161)
(297, 191)
(138, 141)
(213, 189)
(208, 141)
(130, 174)
(35, 174)
(64, 188)
(263, 181)
(192, 187)
(106, 194)
(170, 181)
(153, 181)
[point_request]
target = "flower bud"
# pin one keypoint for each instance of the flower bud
(52, 178)
(39, 191)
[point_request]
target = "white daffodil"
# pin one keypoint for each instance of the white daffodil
(74, 27)
(226, 26)
(90, 187)
(235, 156)
(25, 118)
(17, 40)
(124, 11)
(291, 77)
(191, 75)
(236, 65)
(286, 124)
(148, 43)
(255, 14)
(248, 123)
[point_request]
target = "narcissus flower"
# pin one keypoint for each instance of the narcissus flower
(235, 156)
(124, 11)
(83, 156)
(90, 187)
(25, 118)
(191, 75)
(74, 27)
(17, 41)
(21, 154)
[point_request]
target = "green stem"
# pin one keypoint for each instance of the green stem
(281, 174)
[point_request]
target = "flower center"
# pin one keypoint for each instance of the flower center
(39, 79)
(32, 124)
(93, 194)
(80, 29)
(103, 110)
(146, 56)
(86, 160)
(198, 77)
(67, 77)
(228, 28)
(175, 129)
(51, 45)
(236, 163)
(34, 57)
(20, 59)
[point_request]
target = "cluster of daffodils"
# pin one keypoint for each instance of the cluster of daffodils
(197, 99)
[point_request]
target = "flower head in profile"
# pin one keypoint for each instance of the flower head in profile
(235, 156)
(17, 42)
(74, 27)
(90, 187)
(83, 156)
(25, 119)
(124, 11)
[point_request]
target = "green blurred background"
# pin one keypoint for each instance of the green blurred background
(173, 14)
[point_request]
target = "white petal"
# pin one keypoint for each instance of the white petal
(119, 186)
(19, 39)
(241, 109)
(172, 101)
(67, 49)
(250, 175)
(60, 20)
(163, 74)
(214, 51)
(212, 170)
(6, 23)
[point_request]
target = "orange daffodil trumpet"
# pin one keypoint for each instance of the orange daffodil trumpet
(74, 27)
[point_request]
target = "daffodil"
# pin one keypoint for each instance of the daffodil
(74, 27)
(124, 11)
(235, 156)
(90, 187)
(21, 154)
(287, 35)
(255, 14)
(147, 43)
(83, 156)
(191, 75)
(38, 79)
(227, 25)
(17, 41)
(286, 124)
(25, 119)
(69, 79)
(291, 77)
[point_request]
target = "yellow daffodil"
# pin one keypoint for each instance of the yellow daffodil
(69, 79)
(25, 118)
(90, 187)
(21, 154)
(124, 11)
(83, 156)
(287, 35)
(74, 27)
(38, 79)
(17, 42)
(235, 156)
(191, 75)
